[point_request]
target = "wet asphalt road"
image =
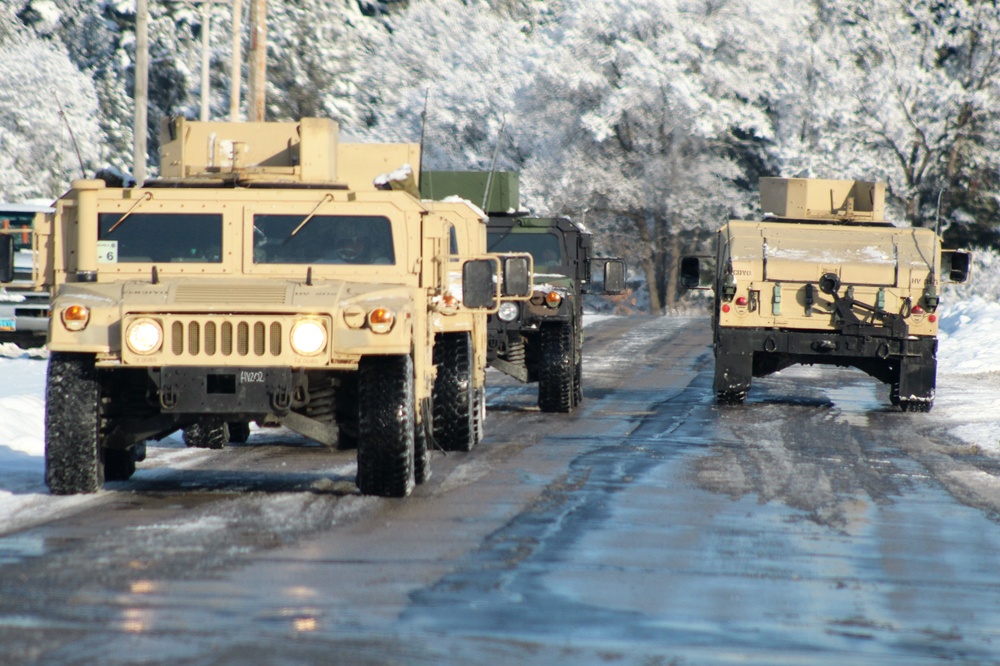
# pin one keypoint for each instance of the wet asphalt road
(812, 525)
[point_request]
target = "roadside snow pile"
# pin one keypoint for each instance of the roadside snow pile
(969, 331)
(968, 336)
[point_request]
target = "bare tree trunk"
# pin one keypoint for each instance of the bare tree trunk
(673, 260)
(659, 259)
(648, 264)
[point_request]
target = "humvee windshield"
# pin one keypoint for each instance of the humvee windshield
(162, 238)
(545, 247)
(323, 239)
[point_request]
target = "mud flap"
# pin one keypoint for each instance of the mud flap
(917, 379)
(733, 373)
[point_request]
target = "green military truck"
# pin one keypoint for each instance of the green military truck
(823, 279)
(254, 281)
(539, 339)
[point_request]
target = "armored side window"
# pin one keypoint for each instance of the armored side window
(162, 238)
(10, 221)
(323, 239)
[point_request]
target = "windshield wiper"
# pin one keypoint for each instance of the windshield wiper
(325, 199)
(148, 196)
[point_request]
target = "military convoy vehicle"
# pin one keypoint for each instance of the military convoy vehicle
(824, 279)
(539, 339)
(24, 306)
(261, 278)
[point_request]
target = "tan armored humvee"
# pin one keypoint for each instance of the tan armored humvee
(460, 356)
(257, 279)
(823, 279)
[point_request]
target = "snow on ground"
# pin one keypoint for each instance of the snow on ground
(967, 401)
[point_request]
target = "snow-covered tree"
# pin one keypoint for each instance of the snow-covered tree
(38, 157)
(316, 56)
(465, 62)
(909, 92)
(653, 113)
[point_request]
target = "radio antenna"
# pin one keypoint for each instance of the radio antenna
(493, 165)
(423, 132)
(62, 114)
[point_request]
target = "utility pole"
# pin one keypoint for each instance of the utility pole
(236, 77)
(206, 34)
(258, 58)
(141, 93)
(206, 48)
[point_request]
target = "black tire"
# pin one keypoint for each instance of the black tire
(913, 406)
(421, 451)
(479, 413)
(557, 369)
(578, 370)
(119, 465)
(239, 431)
(346, 411)
(730, 397)
(454, 393)
(73, 453)
(207, 435)
(386, 426)
(578, 384)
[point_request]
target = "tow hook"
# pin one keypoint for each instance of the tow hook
(824, 346)
(168, 398)
(281, 400)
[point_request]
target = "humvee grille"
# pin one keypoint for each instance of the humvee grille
(200, 338)
(230, 293)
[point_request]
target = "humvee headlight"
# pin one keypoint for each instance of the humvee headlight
(380, 320)
(508, 311)
(553, 299)
(308, 337)
(144, 336)
(75, 317)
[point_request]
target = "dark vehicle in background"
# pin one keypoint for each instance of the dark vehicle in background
(539, 339)
(24, 306)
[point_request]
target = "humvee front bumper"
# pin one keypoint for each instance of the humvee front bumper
(225, 390)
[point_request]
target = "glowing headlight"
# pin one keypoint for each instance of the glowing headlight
(380, 320)
(75, 317)
(308, 337)
(508, 311)
(144, 336)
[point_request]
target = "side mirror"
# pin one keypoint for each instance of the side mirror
(6, 258)
(614, 276)
(478, 290)
(516, 277)
(955, 265)
(690, 272)
(696, 272)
